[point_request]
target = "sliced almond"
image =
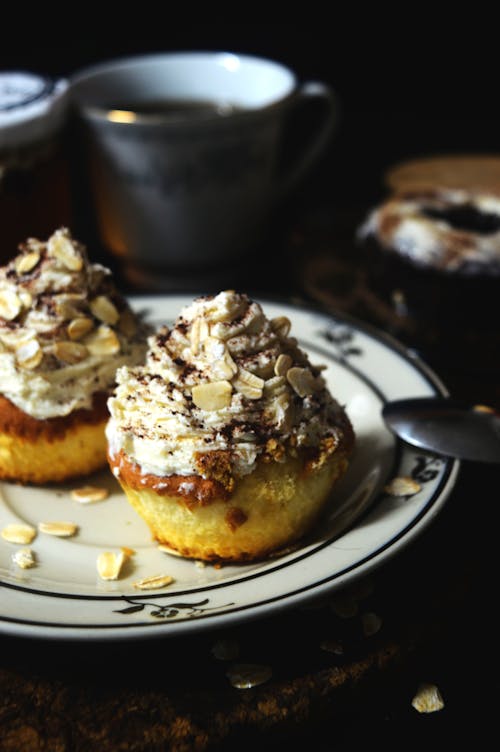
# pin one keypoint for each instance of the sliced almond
(199, 332)
(104, 310)
(214, 395)
(29, 354)
(24, 558)
(102, 341)
(79, 327)
(153, 583)
(10, 305)
(301, 380)
(281, 325)
(222, 363)
(248, 384)
(283, 364)
(70, 352)
(275, 386)
(17, 337)
(110, 563)
(27, 263)
(18, 533)
(68, 305)
(89, 494)
(59, 529)
(127, 323)
(60, 247)
(26, 298)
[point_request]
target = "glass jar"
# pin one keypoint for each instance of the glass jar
(34, 172)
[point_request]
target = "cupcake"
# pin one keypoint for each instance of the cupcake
(431, 249)
(227, 441)
(64, 330)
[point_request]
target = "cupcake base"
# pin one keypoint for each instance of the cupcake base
(51, 450)
(269, 509)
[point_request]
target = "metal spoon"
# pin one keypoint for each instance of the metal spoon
(446, 427)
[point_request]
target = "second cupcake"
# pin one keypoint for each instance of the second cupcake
(64, 330)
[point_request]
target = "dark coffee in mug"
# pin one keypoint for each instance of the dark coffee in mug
(178, 109)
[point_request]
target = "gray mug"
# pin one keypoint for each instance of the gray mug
(184, 153)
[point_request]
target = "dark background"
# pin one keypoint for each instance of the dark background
(407, 84)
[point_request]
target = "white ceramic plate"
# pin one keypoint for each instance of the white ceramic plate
(62, 597)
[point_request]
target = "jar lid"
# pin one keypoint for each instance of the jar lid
(32, 107)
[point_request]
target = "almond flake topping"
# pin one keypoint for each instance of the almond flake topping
(26, 298)
(104, 310)
(10, 305)
(89, 494)
(248, 384)
(301, 380)
(79, 327)
(24, 558)
(59, 529)
(103, 341)
(18, 533)
(275, 386)
(60, 247)
(214, 395)
(29, 354)
(154, 582)
(68, 305)
(282, 365)
(281, 325)
(199, 333)
(27, 263)
(15, 338)
(69, 352)
(223, 365)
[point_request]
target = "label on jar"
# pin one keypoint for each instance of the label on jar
(18, 90)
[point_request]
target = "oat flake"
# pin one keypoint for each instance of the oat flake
(402, 486)
(248, 675)
(428, 699)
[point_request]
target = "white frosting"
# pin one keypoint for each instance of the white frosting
(156, 422)
(49, 297)
(401, 225)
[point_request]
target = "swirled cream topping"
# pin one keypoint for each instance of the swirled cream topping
(224, 377)
(449, 229)
(64, 328)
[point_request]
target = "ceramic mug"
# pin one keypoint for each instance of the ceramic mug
(185, 149)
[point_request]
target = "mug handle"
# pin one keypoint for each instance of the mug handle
(318, 140)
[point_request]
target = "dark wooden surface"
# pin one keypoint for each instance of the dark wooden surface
(437, 605)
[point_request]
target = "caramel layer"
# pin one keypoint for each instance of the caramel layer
(15, 422)
(191, 489)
